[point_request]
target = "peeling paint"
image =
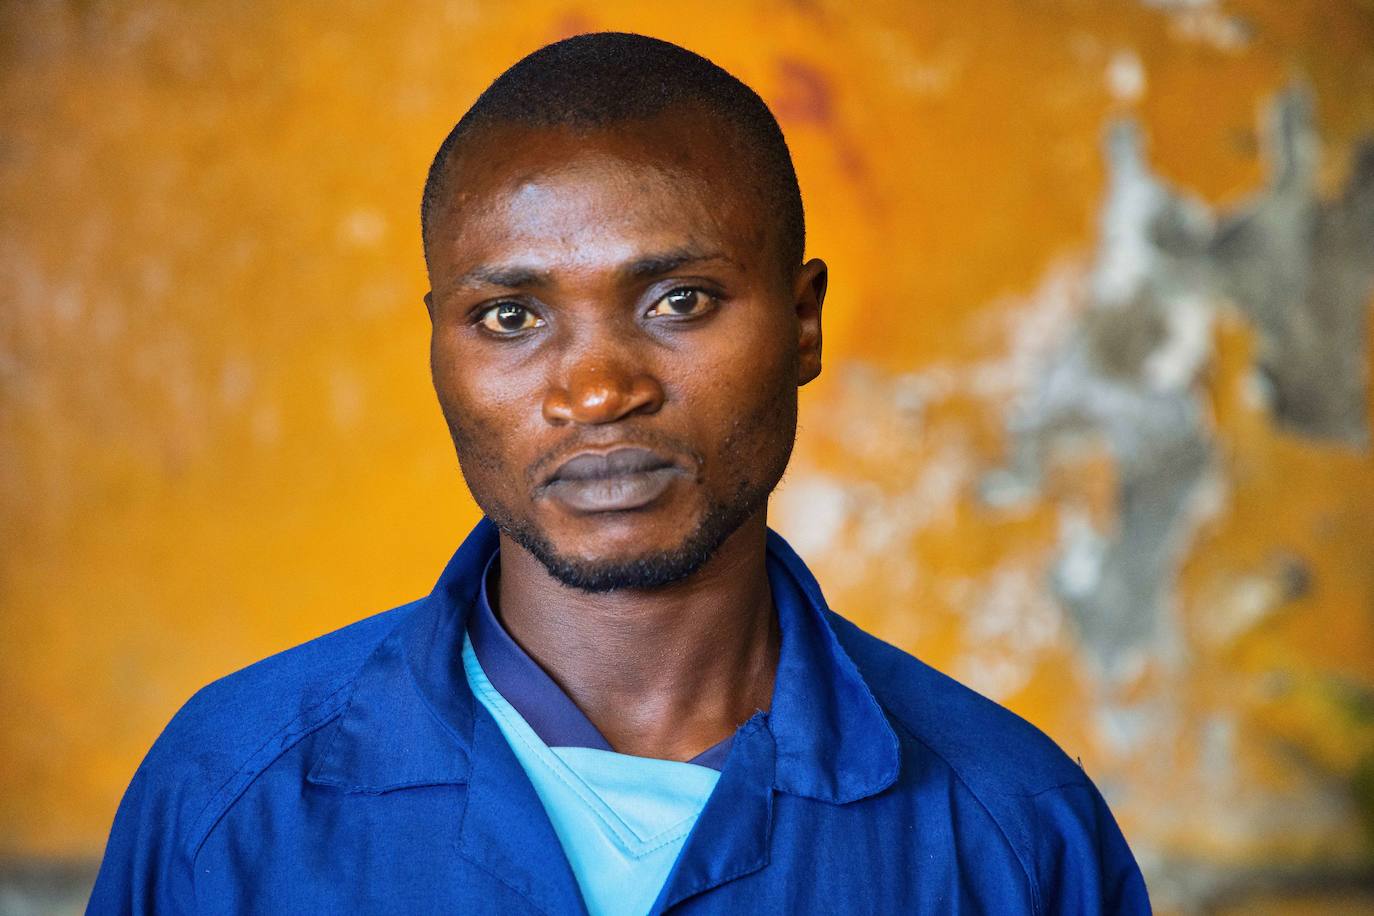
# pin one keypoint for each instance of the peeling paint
(1301, 269)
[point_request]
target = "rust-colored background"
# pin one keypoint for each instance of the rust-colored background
(1093, 434)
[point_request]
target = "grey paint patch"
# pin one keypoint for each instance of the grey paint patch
(1127, 376)
(1302, 269)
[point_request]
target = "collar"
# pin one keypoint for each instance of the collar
(528, 688)
(533, 694)
(410, 719)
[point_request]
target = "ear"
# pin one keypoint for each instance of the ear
(808, 295)
(429, 305)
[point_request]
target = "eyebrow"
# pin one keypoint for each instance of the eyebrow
(656, 265)
(517, 276)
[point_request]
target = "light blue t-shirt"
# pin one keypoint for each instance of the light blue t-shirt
(622, 820)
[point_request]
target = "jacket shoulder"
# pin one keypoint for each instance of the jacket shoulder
(228, 721)
(990, 748)
(1049, 812)
(211, 751)
(235, 726)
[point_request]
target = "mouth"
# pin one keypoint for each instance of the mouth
(615, 481)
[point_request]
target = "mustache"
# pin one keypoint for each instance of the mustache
(652, 440)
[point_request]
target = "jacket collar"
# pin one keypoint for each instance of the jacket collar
(834, 742)
(410, 719)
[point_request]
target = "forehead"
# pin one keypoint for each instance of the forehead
(559, 197)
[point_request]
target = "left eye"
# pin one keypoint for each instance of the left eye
(683, 303)
(509, 318)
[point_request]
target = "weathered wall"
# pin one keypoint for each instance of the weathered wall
(1094, 433)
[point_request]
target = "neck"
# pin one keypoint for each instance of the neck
(663, 673)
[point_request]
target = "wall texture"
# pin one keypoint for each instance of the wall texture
(1094, 433)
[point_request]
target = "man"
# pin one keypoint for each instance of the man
(625, 694)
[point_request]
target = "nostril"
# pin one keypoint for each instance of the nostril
(557, 408)
(646, 394)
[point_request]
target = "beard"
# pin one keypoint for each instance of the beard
(647, 571)
(761, 440)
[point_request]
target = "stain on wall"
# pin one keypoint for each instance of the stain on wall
(1298, 269)
(1093, 434)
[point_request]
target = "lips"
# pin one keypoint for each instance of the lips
(615, 481)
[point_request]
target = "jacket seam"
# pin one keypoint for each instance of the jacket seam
(1075, 784)
(247, 773)
(348, 683)
(1036, 902)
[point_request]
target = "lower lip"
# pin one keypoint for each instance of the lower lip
(613, 494)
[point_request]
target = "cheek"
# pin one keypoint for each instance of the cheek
(743, 387)
(744, 354)
(480, 408)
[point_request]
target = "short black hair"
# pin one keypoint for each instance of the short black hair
(606, 78)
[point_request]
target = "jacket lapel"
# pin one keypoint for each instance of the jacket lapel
(731, 837)
(505, 829)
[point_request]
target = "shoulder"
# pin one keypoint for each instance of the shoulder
(285, 684)
(236, 725)
(987, 745)
(1042, 802)
(222, 739)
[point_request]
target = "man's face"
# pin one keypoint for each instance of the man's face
(615, 346)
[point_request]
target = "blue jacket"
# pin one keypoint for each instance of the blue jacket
(357, 774)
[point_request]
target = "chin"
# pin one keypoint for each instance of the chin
(624, 550)
(627, 550)
(610, 570)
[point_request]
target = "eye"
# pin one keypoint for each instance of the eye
(684, 302)
(509, 318)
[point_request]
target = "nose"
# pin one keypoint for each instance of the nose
(602, 392)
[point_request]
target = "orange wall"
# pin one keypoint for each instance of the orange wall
(217, 437)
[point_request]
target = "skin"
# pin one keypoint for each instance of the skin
(642, 276)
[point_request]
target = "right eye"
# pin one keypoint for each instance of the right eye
(509, 318)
